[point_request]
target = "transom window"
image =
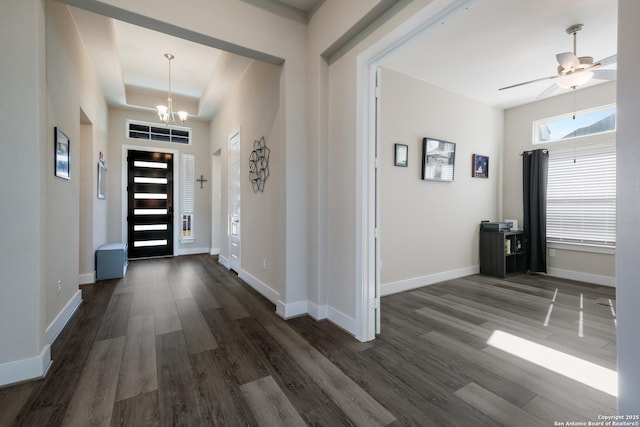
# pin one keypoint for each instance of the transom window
(155, 132)
(579, 124)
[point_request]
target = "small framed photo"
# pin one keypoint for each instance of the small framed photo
(62, 155)
(401, 157)
(480, 166)
(438, 160)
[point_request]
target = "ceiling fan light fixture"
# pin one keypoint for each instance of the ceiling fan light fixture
(573, 80)
(574, 71)
(586, 61)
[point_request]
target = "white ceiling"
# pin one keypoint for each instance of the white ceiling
(497, 43)
(143, 63)
(494, 44)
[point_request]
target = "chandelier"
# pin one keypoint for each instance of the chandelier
(165, 112)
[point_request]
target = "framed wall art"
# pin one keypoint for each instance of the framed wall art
(401, 156)
(438, 160)
(479, 166)
(62, 155)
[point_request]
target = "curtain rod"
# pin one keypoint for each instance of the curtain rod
(544, 150)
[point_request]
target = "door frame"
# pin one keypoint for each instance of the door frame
(124, 194)
(231, 136)
(367, 63)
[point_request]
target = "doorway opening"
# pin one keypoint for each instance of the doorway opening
(367, 163)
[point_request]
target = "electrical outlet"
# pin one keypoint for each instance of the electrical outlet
(264, 264)
(59, 287)
(552, 253)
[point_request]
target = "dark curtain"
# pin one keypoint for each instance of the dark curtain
(535, 165)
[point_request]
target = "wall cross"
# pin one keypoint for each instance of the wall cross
(201, 180)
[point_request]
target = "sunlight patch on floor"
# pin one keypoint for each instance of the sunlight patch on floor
(588, 373)
(546, 320)
(613, 313)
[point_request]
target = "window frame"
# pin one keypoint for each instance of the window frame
(584, 140)
(169, 128)
(535, 125)
(187, 198)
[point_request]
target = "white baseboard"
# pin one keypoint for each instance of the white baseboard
(26, 369)
(430, 279)
(192, 251)
(318, 312)
(342, 320)
(292, 309)
(53, 330)
(87, 278)
(322, 312)
(582, 277)
(261, 287)
(224, 261)
(215, 251)
(37, 367)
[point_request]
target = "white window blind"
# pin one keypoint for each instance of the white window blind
(187, 196)
(581, 194)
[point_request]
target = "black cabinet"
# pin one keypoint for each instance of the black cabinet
(502, 253)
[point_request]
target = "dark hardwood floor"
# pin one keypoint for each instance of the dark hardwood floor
(183, 342)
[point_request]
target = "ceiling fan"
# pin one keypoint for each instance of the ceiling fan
(574, 71)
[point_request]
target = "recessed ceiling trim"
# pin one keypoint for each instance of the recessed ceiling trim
(164, 27)
(377, 16)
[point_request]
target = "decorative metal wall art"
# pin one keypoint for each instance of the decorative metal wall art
(259, 164)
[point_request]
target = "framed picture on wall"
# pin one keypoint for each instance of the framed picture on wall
(401, 157)
(102, 181)
(438, 160)
(62, 155)
(479, 166)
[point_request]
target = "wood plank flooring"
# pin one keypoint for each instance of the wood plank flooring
(183, 342)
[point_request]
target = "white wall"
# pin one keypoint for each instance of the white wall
(429, 230)
(254, 108)
(71, 87)
(44, 227)
(594, 267)
(23, 118)
(117, 225)
(628, 208)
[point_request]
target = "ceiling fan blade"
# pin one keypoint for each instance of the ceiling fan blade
(605, 74)
(606, 61)
(548, 91)
(568, 60)
(530, 81)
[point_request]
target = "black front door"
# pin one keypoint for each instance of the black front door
(150, 207)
